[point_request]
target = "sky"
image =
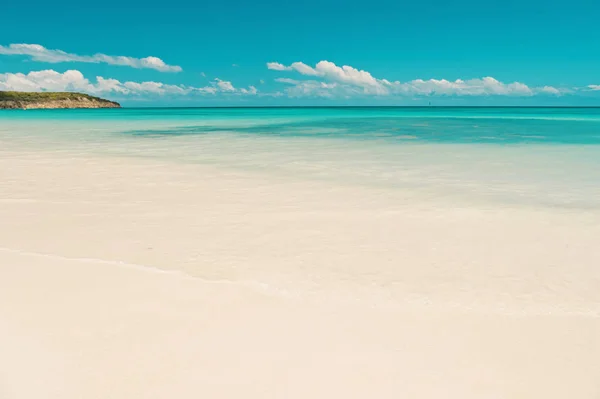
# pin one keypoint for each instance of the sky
(241, 53)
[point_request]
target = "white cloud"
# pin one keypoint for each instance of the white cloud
(155, 88)
(351, 82)
(314, 88)
(330, 71)
(46, 80)
(42, 54)
(549, 90)
(249, 90)
(594, 87)
(73, 80)
(472, 87)
(288, 81)
(224, 85)
(305, 69)
(349, 75)
(276, 66)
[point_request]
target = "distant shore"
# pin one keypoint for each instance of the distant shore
(54, 100)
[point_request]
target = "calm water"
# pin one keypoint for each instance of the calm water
(519, 156)
(439, 125)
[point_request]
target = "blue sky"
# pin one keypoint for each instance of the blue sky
(345, 52)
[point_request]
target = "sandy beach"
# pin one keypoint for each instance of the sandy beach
(134, 278)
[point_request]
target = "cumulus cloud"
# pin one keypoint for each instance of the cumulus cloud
(48, 80)
(73, 80)
(317, 89)
(42, 54)
(471, 87)
(249, 90)
(296, 66)
(329, 71)
(347, 81)
(314, 88)
(288, 81)
(276, 66)
(224, 85)
(549, 90)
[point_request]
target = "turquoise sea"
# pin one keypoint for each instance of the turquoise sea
(519, 156)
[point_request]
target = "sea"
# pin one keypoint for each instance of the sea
(528, 157)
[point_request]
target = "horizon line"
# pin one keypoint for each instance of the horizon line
(360, 106)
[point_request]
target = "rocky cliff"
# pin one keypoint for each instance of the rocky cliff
(47, 100)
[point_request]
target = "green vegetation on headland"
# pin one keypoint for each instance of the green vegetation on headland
(30, 100)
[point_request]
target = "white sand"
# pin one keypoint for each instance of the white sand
(124, 278)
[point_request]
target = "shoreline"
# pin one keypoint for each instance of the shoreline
(347, 240)
(125, 277)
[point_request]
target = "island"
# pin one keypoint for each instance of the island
(52, 100)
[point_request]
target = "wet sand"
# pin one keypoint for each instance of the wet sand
(130, 278)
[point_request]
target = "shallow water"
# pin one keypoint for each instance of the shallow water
(518, 156)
